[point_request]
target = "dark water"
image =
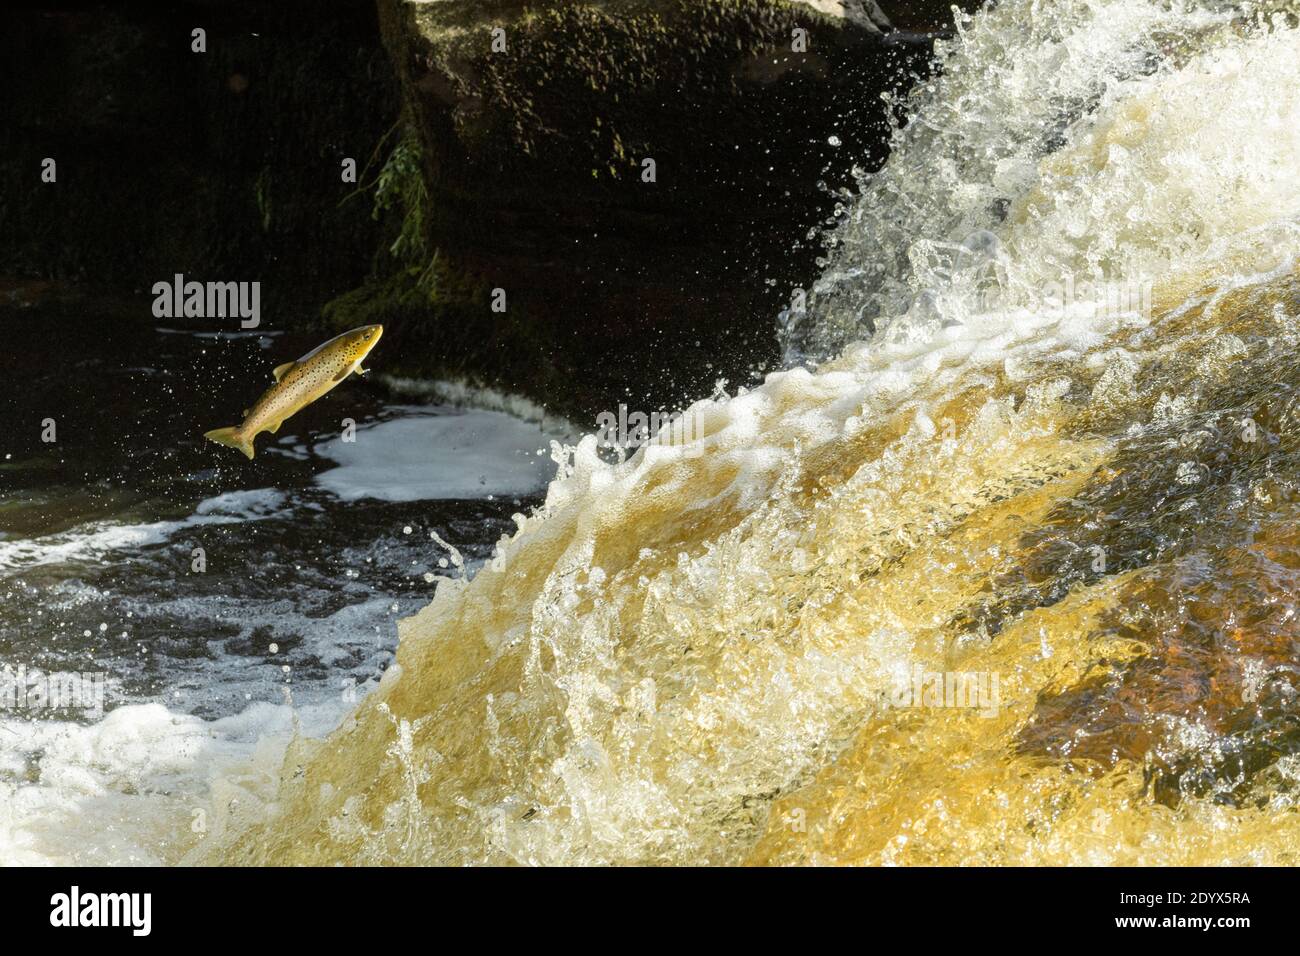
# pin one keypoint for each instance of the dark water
(298, 589)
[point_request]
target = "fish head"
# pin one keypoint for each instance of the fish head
(360, 341)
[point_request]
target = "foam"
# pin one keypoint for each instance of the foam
(1099, 140)
(430, 454)
(131, 789)
(94, 540)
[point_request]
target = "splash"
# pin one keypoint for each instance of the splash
(1103, 140)
(696, 655)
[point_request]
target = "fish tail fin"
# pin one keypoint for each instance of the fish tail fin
(232, 438)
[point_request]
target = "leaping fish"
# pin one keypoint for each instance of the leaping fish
(298, 384)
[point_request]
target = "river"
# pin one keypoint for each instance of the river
(181, 575)
(1001, 568)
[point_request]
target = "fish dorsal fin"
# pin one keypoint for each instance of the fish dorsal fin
(281, 370)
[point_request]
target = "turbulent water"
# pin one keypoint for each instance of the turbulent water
(212, 601)
(1045, 437)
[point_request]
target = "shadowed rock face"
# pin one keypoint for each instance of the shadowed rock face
(624, 283)
(522, 170)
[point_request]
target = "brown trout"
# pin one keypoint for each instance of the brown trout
(298, 384)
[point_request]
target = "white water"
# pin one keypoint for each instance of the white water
(1089, 139)
(97, 539)
(75, 790)
(436, 453)
(118, 791)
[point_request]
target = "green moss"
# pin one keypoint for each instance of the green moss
(262, 196)
(386, 301)
(400, 189)
(404, 284)
(432, 292)
(448, 332)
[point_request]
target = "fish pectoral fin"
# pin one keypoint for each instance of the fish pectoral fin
(361, 371)
(281, 370)
(342, 374)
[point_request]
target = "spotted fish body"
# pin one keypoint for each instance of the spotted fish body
(298, 384)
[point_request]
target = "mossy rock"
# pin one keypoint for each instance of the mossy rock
(535, 123)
